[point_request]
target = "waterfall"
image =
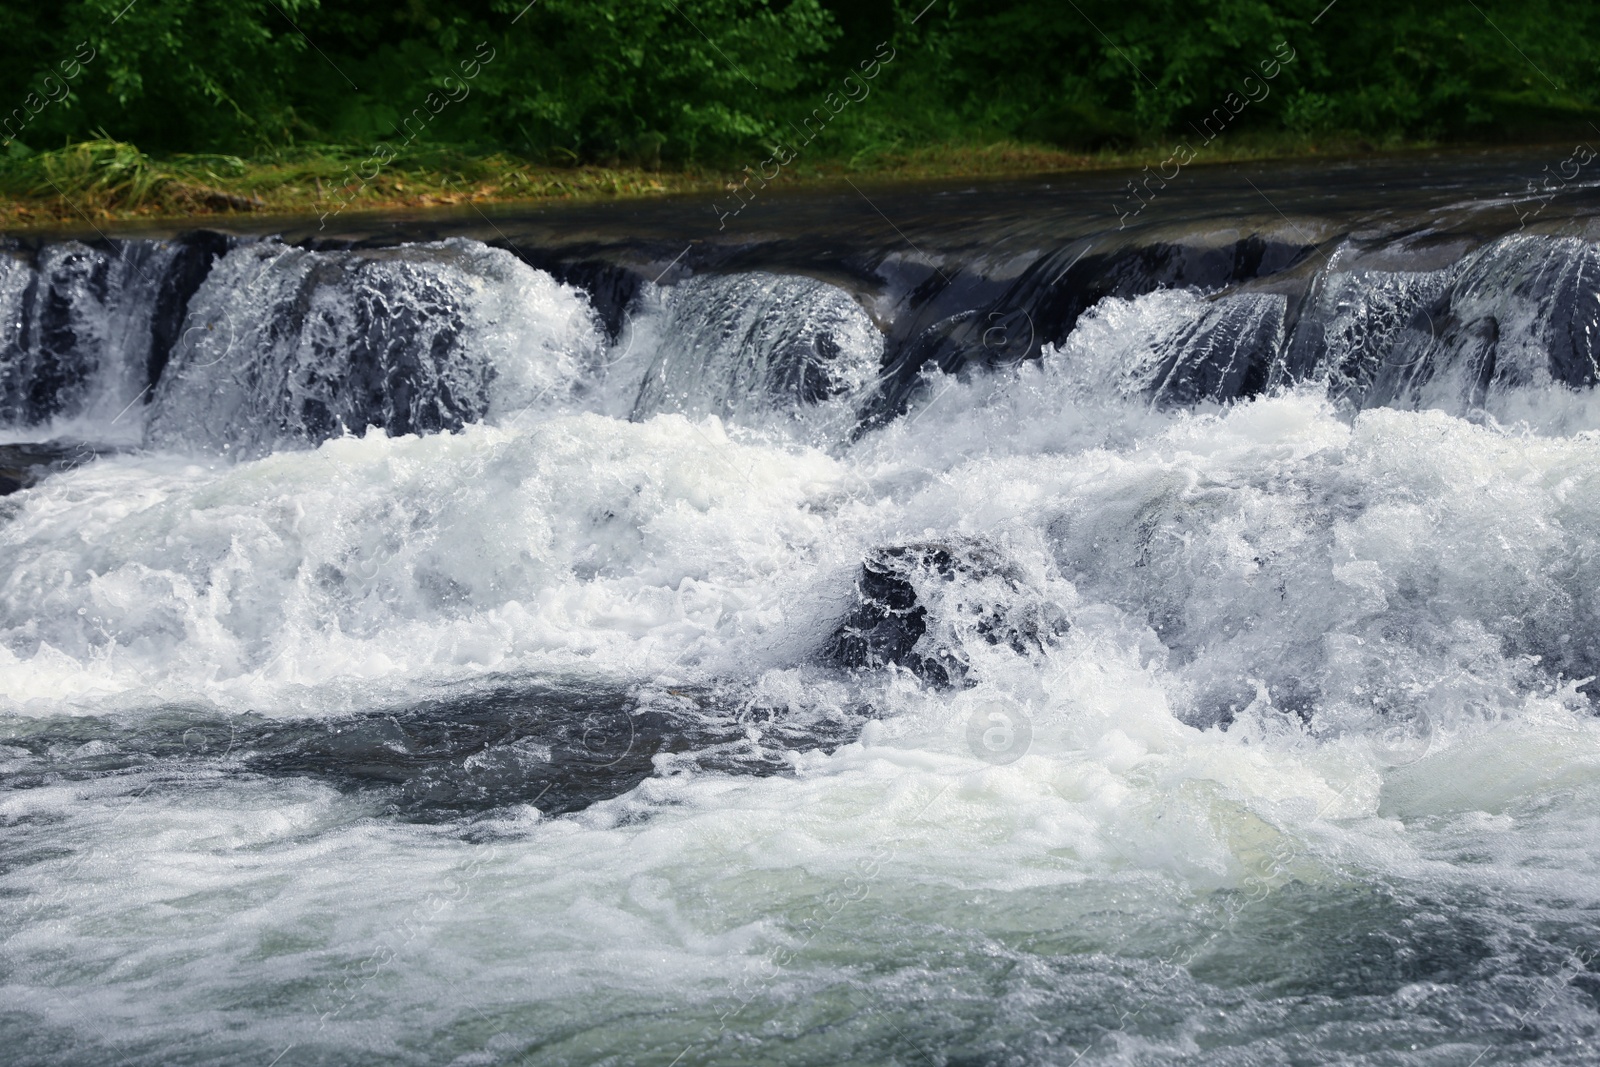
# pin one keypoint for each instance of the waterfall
(283, 346)
(742, 344)
(244, 346)
(83, 326)
(1042, 644)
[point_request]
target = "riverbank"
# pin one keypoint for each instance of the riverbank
(107, 181)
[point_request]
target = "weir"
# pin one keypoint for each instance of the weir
(206, 341)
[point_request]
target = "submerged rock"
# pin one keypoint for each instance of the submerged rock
(555, 747)
(917, 604)
(25, 465)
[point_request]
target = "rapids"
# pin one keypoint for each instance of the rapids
(1008, 639)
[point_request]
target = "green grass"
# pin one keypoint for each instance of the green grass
(107, 180)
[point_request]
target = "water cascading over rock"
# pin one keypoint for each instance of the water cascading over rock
(916, 604)
(739, 344)
(242, 345)
(1224, 354)
(287, 347)
(84, 329)
(1523, 311)
(1350, 325)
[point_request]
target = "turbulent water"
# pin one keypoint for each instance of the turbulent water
(409, 654)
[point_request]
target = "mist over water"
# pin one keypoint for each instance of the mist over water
(413, 654)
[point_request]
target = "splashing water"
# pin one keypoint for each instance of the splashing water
(443, 682)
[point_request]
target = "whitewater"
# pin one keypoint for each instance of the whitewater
(418, 659)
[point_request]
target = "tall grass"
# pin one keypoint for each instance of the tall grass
(105, 176)
(105, 179)
(109, 179)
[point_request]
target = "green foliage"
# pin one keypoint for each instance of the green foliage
(685, 81)
(1096, 73)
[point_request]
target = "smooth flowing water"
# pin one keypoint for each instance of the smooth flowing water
(930, 625)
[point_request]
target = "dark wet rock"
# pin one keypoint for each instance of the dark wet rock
(22, 466)
(953, 319)
(888, 622)
(1065, 284)
(557, 748)
(915, 603)
(559, 751)
(612, 288)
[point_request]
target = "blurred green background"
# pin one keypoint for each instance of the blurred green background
(637, 82)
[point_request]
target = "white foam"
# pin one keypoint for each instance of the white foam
(1421, 584)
